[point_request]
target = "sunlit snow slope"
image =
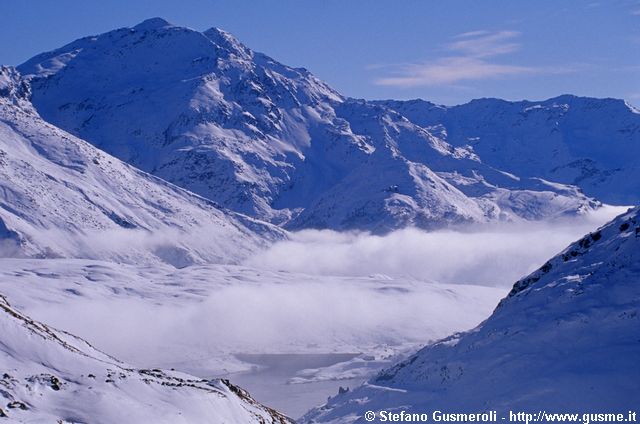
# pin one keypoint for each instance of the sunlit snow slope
(53, 376)
(62, 197)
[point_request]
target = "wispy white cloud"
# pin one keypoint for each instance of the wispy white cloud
(450, 70)
(485, 44)
(472, 34)
(471, 56)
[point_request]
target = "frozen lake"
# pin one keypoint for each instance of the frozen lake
(269, 383)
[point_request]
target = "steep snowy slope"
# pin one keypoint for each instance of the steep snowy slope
(53, 376)
(209, 114)
(62, 197)
(592, 143)
(206, 113)
(565, 339)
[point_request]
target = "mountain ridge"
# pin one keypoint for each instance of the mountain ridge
(268, 140)
(592, 143)
(53, 375)
(62, 197)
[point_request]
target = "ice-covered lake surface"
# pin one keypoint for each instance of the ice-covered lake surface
(278, 370)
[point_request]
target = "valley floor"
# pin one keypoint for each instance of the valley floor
(208, 321)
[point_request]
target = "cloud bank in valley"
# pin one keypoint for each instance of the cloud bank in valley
(191, 318)
(195, 318)
(494, 255)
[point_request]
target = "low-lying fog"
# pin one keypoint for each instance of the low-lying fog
(493, 255)
(317, 293)
(321, 289)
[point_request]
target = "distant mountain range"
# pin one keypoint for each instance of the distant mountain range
(206, 113)
(591, 143)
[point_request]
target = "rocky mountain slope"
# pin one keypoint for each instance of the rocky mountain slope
(53, 376)
(62, 197)
(565, 339)
(201, 110)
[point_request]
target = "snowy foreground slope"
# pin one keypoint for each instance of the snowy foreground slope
(591, 143)
(62, 197)
(565, 339)
(53, 376)
(201, 110)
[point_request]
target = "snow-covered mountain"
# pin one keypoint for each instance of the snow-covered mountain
(201, 110)
(62, 197)
(565, 339)
(53, 376)
(591, 143)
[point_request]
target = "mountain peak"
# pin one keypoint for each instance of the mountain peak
(219, 32)
(287, 141)
(227, 41)
(12, 86)
(152, 23)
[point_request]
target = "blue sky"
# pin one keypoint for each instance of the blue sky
(445, 51)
